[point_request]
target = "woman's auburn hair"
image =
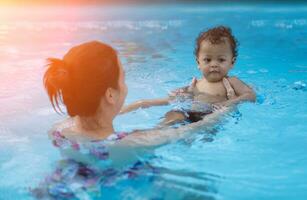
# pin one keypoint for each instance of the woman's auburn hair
(81, 78)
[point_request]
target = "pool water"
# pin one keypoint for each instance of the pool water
(257, 152)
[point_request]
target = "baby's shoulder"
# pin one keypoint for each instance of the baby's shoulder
(234, 80)
(239, 86)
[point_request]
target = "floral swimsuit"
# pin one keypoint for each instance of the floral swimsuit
(76, 180)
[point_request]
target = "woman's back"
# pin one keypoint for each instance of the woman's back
(106, 152)
(88, 165)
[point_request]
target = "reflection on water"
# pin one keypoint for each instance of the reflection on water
(260, 147)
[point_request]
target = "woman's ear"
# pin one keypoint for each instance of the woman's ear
(110, 95)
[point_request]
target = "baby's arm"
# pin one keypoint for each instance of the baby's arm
(243, 92)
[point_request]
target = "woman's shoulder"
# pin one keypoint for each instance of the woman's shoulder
(85, 150)
(56, 135)
(60, 126)
(63, 137)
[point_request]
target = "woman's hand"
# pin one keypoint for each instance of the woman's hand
(192, 85)
(186, 91)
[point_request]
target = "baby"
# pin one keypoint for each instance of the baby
(216, 53)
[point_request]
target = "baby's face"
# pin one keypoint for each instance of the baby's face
(215, 60)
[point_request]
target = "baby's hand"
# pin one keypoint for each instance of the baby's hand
(227, 103)
(230, 92)
(218, 106)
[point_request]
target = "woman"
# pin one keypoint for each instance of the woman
(90, 81)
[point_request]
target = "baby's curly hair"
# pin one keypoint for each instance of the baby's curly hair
(216, 35)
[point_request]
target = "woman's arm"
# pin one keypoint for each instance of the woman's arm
(145, 104)
(137, 143)
(185, 91)
(156, 137)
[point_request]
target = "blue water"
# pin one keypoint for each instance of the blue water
(257, 152)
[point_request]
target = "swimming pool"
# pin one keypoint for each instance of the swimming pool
(257, 152)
